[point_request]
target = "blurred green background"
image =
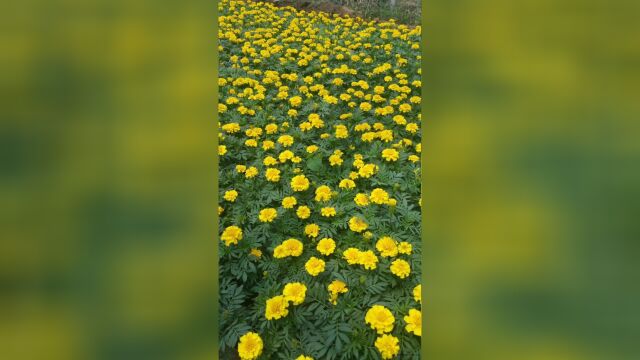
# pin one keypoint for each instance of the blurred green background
(532, 179)
(108, 146)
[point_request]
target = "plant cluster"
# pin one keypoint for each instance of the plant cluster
(319, 212)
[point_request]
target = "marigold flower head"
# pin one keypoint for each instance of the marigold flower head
(250, 346)
(400, 268)
(289, 202)
(312, 230)
(326, 246)
(328, 211)
(387, 246)
(380, 319)
(417, 293)
(379, 196)
(299, 183)
(231, 235)
(323, 193)
(295, 292)
(277, 307)
(405, 248)
(314, 266)
(251, 172)
(414, 322)
(388, 346)
(230, 195)
(267, 215)
(390, 154)
(357, 224)
(368, 259)
(303, 212)
(347, 184)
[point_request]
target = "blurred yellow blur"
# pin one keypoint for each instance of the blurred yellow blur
(108, 180)
(532, 183)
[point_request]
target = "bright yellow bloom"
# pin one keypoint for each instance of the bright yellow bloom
(289, 202)
(367, 170)
(304, 357)
(277, 307)
(272, 174)
(267, 215)
(400, 268)
(380, 319)
(295, 292)
(222, 149)
(379, 196)
(269, 160)
(405, 248)
(361, 199)
(388, 346)
(311, 149)
(352, 255)
(303, 212)
(357, 224)
(323, 193)
(241, 169)
(368, 259)
(311, 230)
(390, 154)
(256, 252)
(250, 346)
(285, 140)
(231, 235)
(314, 266)
(417, 293)
(251, 172)
(299, 183)
(326, 246)
(347, 184)
(414, 322)
(387, 247)
(230, 195)
(335, 160)
(328, 211)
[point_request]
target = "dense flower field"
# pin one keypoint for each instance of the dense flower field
(319, 151)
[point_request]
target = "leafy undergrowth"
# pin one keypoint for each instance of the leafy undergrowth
(320, 133)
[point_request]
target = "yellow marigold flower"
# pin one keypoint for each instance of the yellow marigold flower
(277, 307)
(392, 202)
(231, 235)
(271, 128)
(289, 202)
(299, 183)
(419, 148)
(380, 319)
(405, 248)
(256, 252)
(413, 158)
(295, 101)
(222, 149)
(285, 140)
(414, 322)
(335, 160)
(285, 155)
(326, 246)
(296, 159)
(352, 255)
(367, 170)
(388, 346)
(361, 199)
(379, 196)
(272, 174)
(231, 128)
(303, 212)
(251, 143)
(368, 259)
(390, 154)
(314, 266)
(311, 149)
(338, 287)
(241, 169)
(341, 132)
(353, 175)
(295, 292)
(387, 246)
(400, 268)
(269, 160)
(417, 293)
(267, 215)
(292, 112)
(347, 184)
(312, 230)
(412, 128)
(365, 106)
(367, 235)
(323, 193)
(220, 210)
(357, 224)
(304, 357)
(328, 211)
(293, 247)
(251, 172)
(230, 195)
(250, 346)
